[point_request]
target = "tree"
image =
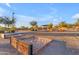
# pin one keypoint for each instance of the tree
(12, 29)
(23, 27)
(8, 22)
(2, 29)
(77, 22)
(34, 25)
(76, 25)
(1, 20)
(62, 24)
(70, 25)
(49, 27)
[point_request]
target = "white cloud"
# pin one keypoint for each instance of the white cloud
(30, 18)
(8, 4)
(23, 20)
(76, 16)
(44, 18)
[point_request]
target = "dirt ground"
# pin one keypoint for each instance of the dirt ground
(6, 48)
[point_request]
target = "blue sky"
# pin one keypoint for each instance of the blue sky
(43, 13)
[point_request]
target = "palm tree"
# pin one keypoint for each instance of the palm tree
(34, 25)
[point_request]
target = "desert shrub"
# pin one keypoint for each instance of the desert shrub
(2, 29)
(11, 30)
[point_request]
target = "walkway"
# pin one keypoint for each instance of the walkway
(57, 48)
(6, 49)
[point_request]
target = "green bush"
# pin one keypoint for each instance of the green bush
(11, 30)
(2, 29)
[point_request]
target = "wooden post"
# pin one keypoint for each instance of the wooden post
(30, 49)
(10, 39)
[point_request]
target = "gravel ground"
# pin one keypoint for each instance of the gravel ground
(6, 49)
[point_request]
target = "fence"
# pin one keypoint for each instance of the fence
(20, 46)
